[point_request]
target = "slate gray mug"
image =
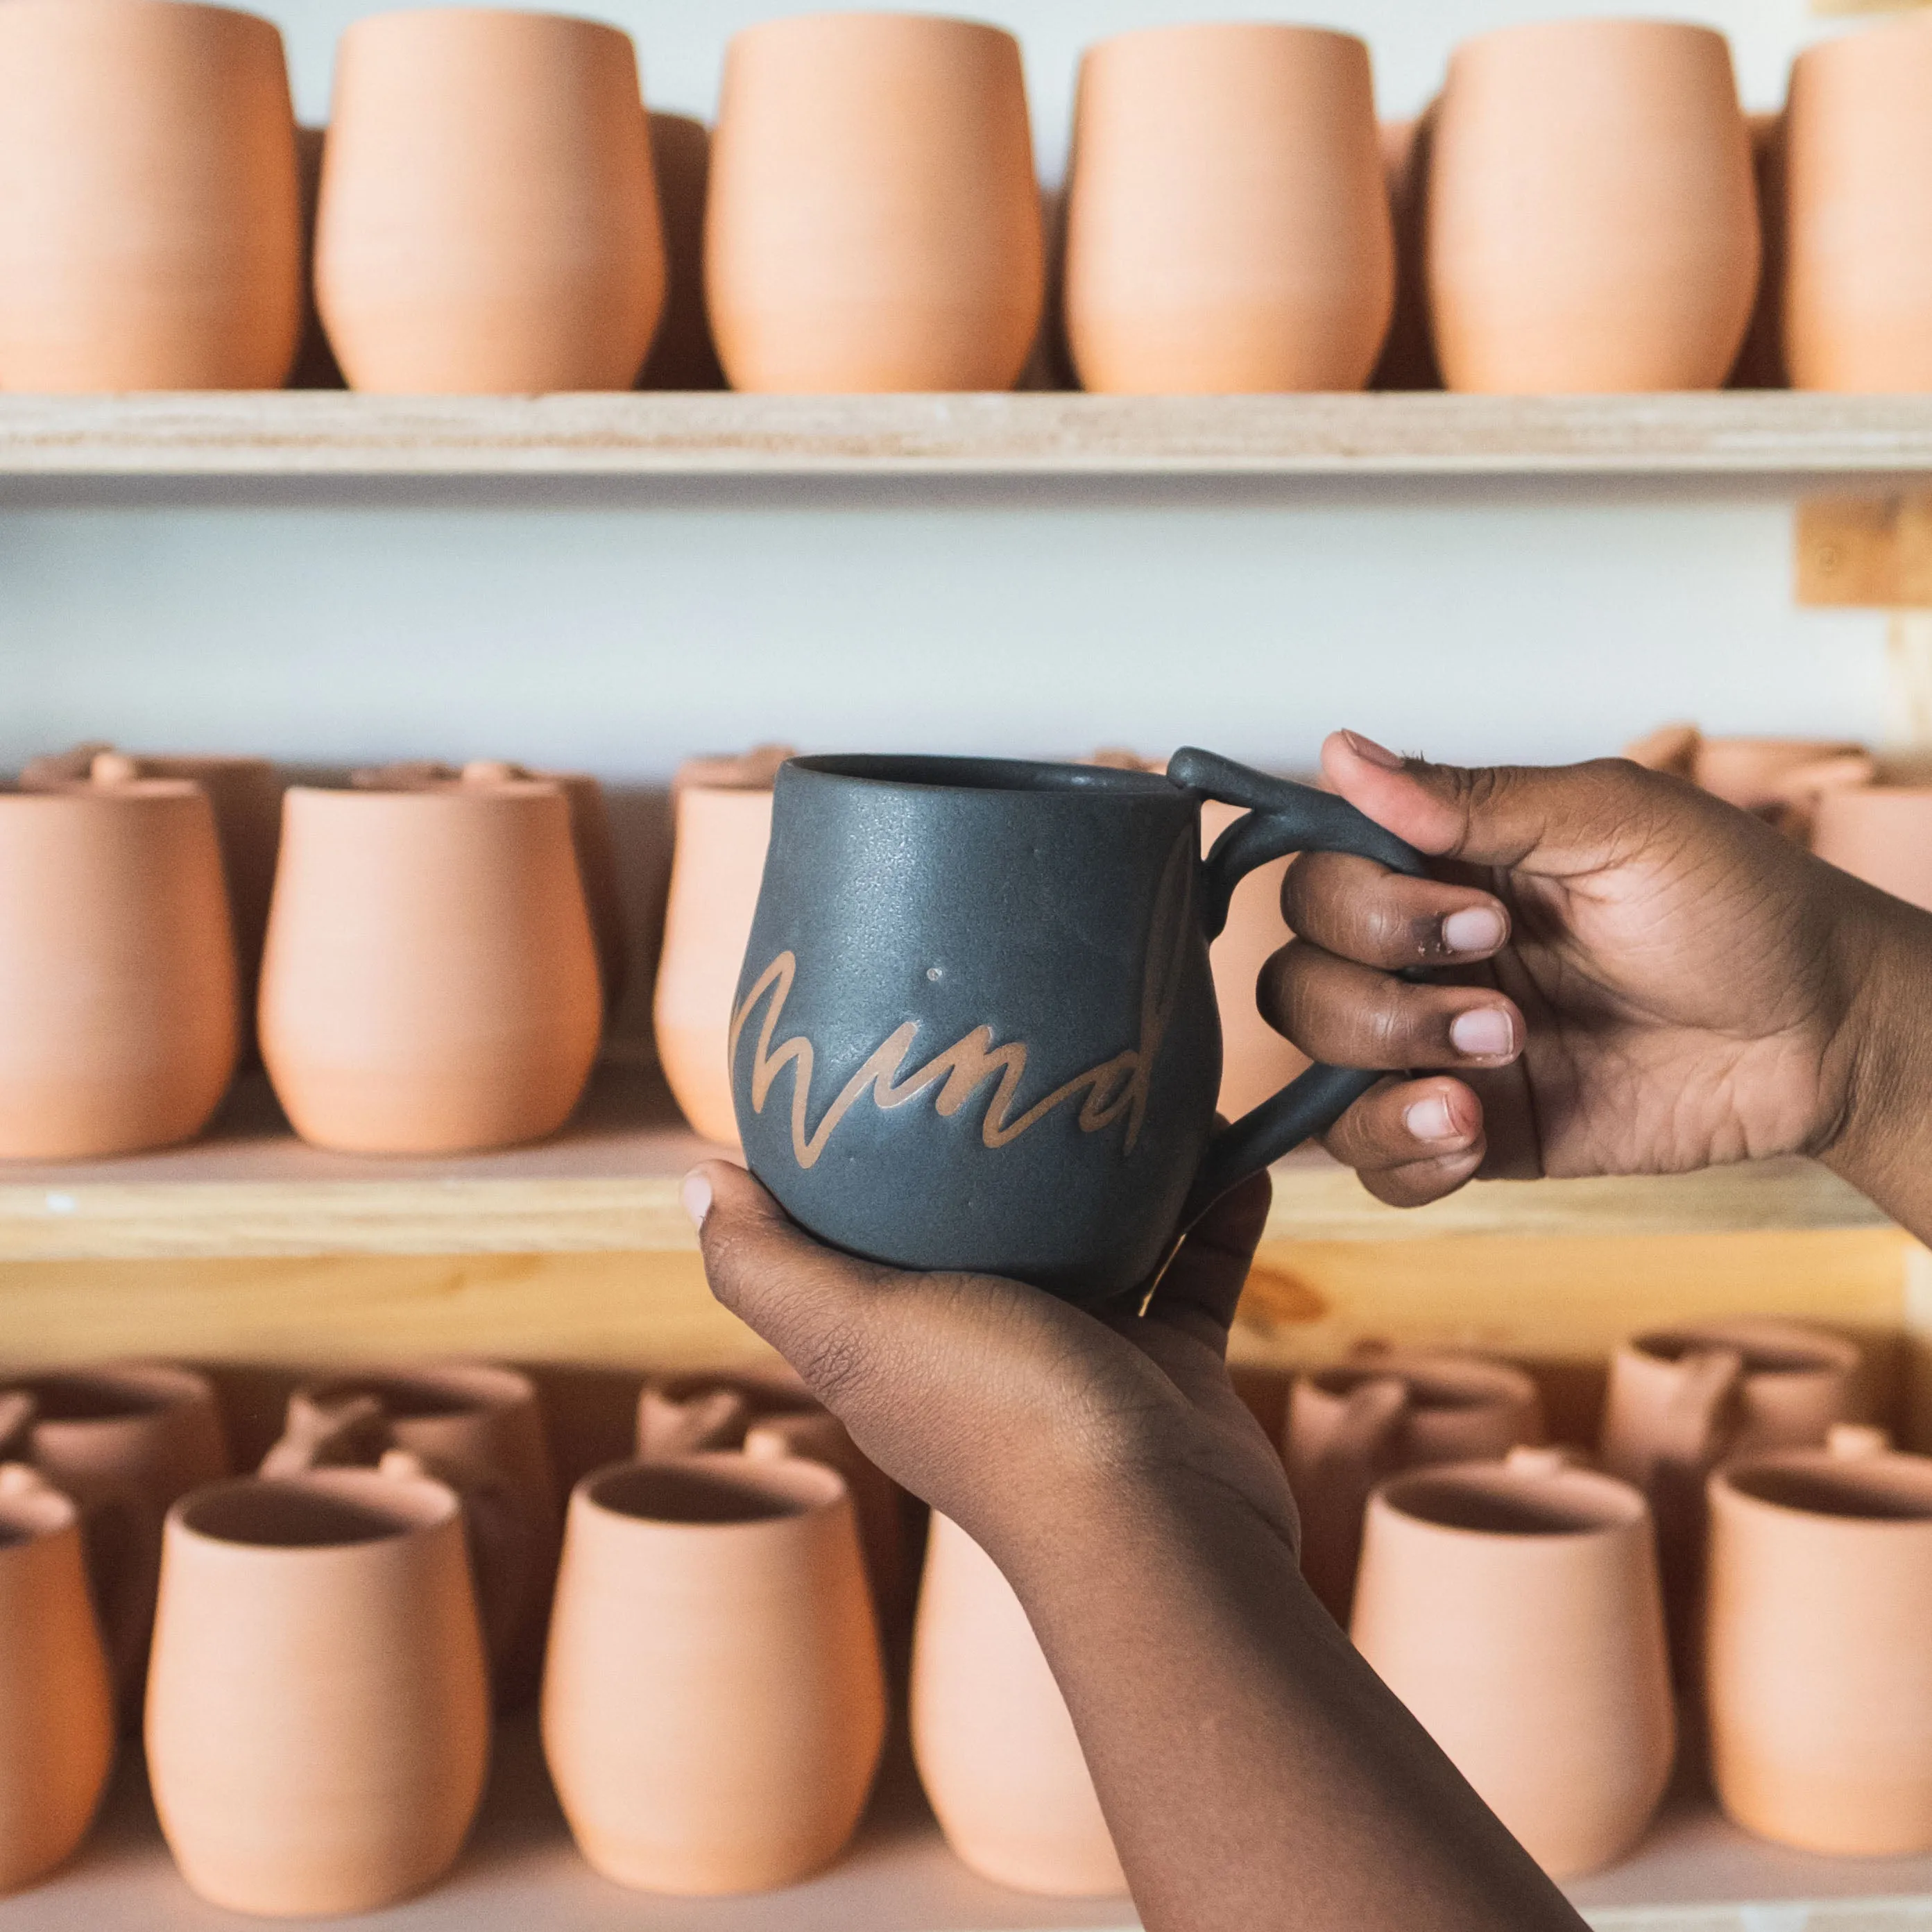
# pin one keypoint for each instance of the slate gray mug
(976, 1028)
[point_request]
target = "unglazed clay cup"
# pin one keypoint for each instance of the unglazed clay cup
(1857, 287)
(1381, 1411)
(1513, 1607)
(319, 1708)
(714, 1700)
(1881, 834)
(56, 1703)
(430, 985)
(994, 1742)
(723, 825)
(126, 1440)
(1592, 221)
(1780, 779)
(117, 969)
(1228, 222)
(150, 221)
(1818, 1675)
(489, 221)
(873, 221)
(683, 356)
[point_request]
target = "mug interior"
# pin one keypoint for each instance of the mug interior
(714, 1490)
(1493, 1500)
(330, 1509)
(1445, 1386)
(1762, 1353)
(937, 774)
(430, 1396)
(1889, 1489)
(104, 1397)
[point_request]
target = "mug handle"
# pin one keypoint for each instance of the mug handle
(1282, 817)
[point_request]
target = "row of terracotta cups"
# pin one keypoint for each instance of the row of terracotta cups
(1582, 215)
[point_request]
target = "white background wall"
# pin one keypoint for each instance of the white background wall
(624, 626)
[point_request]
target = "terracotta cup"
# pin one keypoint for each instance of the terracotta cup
(723, 824)
(150, 219)
(489, 219)
(995, 1747)
(56, 1702)
(478, 1427)
(117, 969)
(683, 356)
(873, 221)
(714, 1700)
(430, 985)
(1381, 1411)
(1592, 220)
(126, 1440)
(1513, 1607)
(589, 835)
(1881, 834)
(1857, 290)
(1408, 359)
(318, 1709)
(1228, 221)
(1819, 1677)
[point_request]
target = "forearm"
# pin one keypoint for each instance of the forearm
(1255, 1771)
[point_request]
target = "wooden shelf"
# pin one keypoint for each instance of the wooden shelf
(1695, 1873)
(321, 434)
(609, 1184)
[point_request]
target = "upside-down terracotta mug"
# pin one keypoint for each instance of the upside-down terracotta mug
(1228, 226)
(976, 1028)
(56, 1702)
(1880, 833)
(1381, 1411)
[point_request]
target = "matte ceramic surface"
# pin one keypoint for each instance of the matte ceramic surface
(117, 970)
(1382, 1411)
(150, 218)
(1819, 1677)
(976, 1028)
(489, 220)
(1513, 1607)
(1881, 834)
(1858, 273)
(873, 221)
(430, 982)
(319, 1708)
(1593, 221)
(714, 1701)
(995, 1747)
(683, 356)
(1228, 222)
(56, 1703)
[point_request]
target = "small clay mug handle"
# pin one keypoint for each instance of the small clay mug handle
(1282, 817)
(1356, 1456)
(1691, 1429)
(18, 1410)
(669, 1425)
(353, 1432)
(502, 1551)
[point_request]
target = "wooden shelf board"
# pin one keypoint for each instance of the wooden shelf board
(1695, 1873)
(609, 1184)
(322, 434)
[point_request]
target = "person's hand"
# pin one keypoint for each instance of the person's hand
(1651, 982)
(988, 1398)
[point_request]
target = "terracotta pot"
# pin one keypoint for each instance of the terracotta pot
(1381, 1411)
(996, 1748)
(589, 835)
(724, 811)
(126, 1440)
(1857, 310)
(1228, 222)
(1881, 834)
(478, 1427)
(1513, 1607)
(1408, 356)
(489, 220)
(683, 356)
(1819, 1677)
(430, 981)
(117, 969)
(319, 1710)
(1760, 363)
(1592, 219)
(315, 366)
(873, 221)
(56, 1705)
(714, 1701)
(1778, 778)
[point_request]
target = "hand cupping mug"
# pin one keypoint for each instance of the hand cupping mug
(976, 1027)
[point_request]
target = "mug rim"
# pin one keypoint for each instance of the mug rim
(971, 777)
(150, 1390)
(1851, 1474)
(414, 1506)
(1770, 1347)
(785, 1489)
(1610, 1507)
(464, 1389)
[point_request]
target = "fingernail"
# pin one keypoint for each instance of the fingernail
(1371, 753)
(1430, 1119)
(1482, 1032)
(696, 1196)
(1474, 929)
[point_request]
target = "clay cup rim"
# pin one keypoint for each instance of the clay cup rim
(113, 1393)
(1769, 1348)
(430, 1391)
(711, 1491)
(1885, 1490)
(1497, 1501)
(315, 1515)
(1442, 1382)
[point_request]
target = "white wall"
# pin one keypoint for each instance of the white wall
(622, 626)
